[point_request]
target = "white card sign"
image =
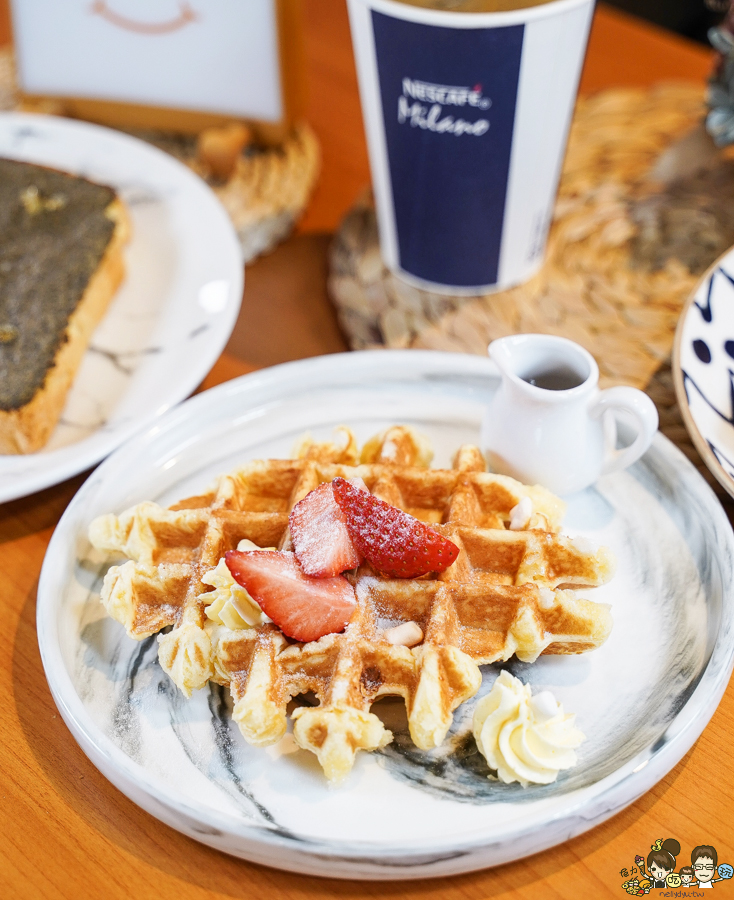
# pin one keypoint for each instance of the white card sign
(219, 57)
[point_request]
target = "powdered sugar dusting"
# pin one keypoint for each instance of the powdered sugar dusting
(393, 541)
(321, 540)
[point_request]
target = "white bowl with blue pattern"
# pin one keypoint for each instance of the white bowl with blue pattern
(703, 369)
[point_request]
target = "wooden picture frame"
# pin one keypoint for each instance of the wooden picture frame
(34, 66)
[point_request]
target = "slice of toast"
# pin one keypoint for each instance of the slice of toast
(61, 240)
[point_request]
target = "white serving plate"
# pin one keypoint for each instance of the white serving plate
(642, 699)
(703, 368)
(171, 318)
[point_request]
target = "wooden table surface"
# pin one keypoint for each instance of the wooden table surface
(65, 831)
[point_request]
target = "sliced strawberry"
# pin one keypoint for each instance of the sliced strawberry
(320, 536)
(303, 607)
(394, 542)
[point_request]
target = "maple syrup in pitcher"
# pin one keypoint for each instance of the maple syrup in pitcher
(558, 378)
(558, 436)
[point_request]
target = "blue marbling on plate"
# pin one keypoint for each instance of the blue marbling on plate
(641, 699)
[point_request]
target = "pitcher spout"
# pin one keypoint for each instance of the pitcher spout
(500, 352)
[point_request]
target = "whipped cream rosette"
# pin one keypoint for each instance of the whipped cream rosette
(524, 738)
(229, 603)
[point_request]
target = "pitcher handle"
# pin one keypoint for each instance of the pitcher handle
(642, 410)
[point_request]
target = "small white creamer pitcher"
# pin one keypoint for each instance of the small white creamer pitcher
(550, 424)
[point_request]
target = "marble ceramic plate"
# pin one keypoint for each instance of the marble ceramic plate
(703, 367)
(171, 318)
(642, 699)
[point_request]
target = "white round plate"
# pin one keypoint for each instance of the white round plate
(642, 699)
(170, 319)
(703, 369)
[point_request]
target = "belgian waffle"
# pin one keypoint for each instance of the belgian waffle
(509, 592)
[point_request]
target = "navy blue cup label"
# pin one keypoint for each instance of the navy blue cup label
(448, 101)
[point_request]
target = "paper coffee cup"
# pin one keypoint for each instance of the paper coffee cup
(467, 116)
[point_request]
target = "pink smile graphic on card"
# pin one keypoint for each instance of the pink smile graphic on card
(185, 16)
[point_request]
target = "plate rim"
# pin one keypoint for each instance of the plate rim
(48, 472)
(606, 797)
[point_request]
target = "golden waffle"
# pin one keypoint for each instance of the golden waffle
(508, 592)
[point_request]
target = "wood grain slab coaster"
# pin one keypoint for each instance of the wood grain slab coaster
(635, 224)
(265, 190)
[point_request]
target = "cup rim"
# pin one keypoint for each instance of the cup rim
(552, 340)
(452, 19)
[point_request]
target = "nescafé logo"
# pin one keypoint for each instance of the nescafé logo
(658, 871)
(422, 105)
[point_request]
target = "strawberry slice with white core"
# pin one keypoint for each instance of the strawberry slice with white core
(395, 542)
(303, 607)
(320, 536)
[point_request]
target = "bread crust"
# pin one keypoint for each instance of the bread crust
(28, 428)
